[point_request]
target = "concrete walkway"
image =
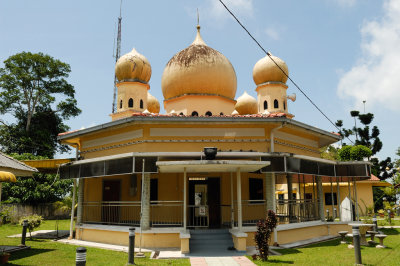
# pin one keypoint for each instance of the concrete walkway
(223, 261)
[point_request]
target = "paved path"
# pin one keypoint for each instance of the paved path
(221, 261)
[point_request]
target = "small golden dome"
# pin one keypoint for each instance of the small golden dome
(133, 67)
(246, 105)
(153, 106)
(198, 69)
(265, 70)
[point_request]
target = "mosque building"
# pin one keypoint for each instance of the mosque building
(212, 160)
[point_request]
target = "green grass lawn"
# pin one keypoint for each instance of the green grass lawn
(385, 222)
(47, 252)
(334, 253)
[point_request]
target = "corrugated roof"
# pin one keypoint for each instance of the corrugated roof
(11, 163)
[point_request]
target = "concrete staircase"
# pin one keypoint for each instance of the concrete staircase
(211, 242)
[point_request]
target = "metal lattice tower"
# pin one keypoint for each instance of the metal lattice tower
(117, 55)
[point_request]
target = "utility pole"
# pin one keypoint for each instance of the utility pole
(117, 55)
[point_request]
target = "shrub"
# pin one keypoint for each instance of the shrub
(263, 234)
(359, 152)
(344, 153)
(6, 214)
(34, 221)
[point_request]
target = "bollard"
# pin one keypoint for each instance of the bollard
(80, 256)
(356, 243)
(24, 228)
(131, 250)
(375, 223)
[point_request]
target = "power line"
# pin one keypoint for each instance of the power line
(269, 55)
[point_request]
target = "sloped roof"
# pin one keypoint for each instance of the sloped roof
(14, 166)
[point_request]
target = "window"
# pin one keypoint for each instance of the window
(256, 189)
(180, 113)
(294, 195)
(208, 113)
(308, 196)
(194, 113)
(276, 104)
(265, 105)
(284, 105)
(153, 189)
(328, 199)
(141, 104)
(281, 198)
(120, 104)
(221, 113)
(130, 103)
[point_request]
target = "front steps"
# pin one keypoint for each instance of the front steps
(212, 242)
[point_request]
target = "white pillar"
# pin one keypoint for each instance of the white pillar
(71, 226)
(184, 198)
(232, 206)
(145, 201)
(333, 202)
(239, 199)
(270, 191)
(320, 195)
(80, 200)
(338, 198)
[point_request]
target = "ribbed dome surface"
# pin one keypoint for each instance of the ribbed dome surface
(199, 69)
(265, 70)
(133, 66)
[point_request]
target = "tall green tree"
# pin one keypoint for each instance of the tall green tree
(34, 90)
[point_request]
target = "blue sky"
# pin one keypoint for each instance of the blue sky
(340, 52)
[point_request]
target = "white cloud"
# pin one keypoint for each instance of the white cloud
(238, 7)
(376, 75)
(272, 33)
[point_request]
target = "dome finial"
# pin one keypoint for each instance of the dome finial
(198, 40)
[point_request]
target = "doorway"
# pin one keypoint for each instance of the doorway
(110, 211)
(205, 202)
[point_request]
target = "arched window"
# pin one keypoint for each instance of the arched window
(141, 104)
(221, 113)
(180, 113)
(120, 104)
(284, 105)
(130, 103)
(265, 105)
(194, 113)
(276, 104)
(208, 113)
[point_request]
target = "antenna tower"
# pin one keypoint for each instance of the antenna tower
(117, 55)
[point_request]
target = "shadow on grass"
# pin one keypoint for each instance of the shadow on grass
(288, 251)
(28, 253)
(390, 231)
(280, 261)
(330, 243)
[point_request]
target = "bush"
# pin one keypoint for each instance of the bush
(34, 221)
(263, 234)
(354, 153)
(344, 153)
(6, 214)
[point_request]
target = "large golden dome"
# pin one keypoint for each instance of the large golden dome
(133, 67)
(199, 69)
(246, 105)
(153, 106)
(265, 70)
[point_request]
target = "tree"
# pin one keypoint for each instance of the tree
(30, 85)
(354, 153)
(40, 188)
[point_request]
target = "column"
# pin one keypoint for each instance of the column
(356, 198)
(239, 198)
(145, 224)
(184, 198)
(338, 198)
(270, 191)
(71, 226)
(289, 179)
(232, 206)
(80, 200)
(320, 196)
(333, 201)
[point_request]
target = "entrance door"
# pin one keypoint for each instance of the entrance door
(110, 211)
(204, 203)
(214, 202)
